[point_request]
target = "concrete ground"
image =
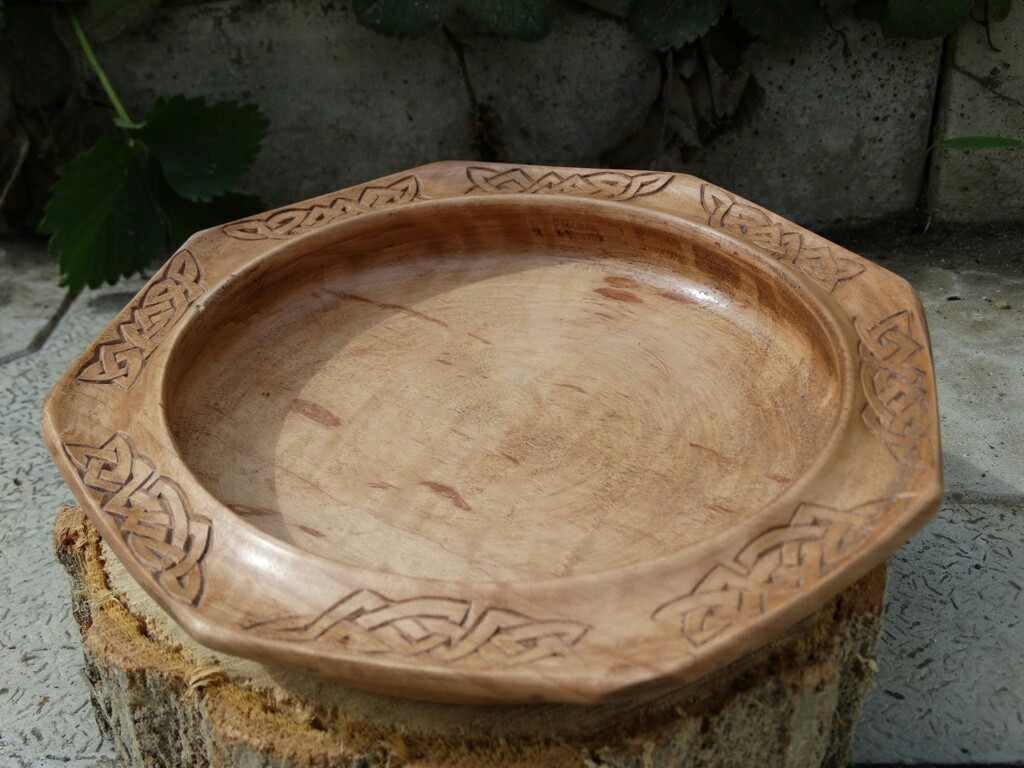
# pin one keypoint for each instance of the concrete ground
(950, 689)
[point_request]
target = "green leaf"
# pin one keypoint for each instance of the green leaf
(977, 142)
(779, 21)
(401, 18)
(129, 125)
(520, 19)
(665, 24)
(619, 8)
(202, 148)
(997, 10)
(102, 220)
(112, 17)
(184, 218)
(924, 19)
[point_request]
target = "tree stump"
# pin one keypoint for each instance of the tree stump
(164, 700)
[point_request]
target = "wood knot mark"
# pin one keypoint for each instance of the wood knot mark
(618, 281)
(619, 295)
(387, 306)
(449, 493)
(568, 231)
(712, 451)
(673, 297)
(246, 511)
(315, 412)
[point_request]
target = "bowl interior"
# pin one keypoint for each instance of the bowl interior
(503, 390)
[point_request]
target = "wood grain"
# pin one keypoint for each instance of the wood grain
(505, 434)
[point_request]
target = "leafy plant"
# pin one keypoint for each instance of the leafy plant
(923, 19)
(143, 186)
(522, 19)
(670, 24)
(149, 186)
(664, 25)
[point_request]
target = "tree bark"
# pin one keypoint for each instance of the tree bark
(164, 700)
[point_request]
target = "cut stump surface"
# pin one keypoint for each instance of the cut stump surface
(164, 700)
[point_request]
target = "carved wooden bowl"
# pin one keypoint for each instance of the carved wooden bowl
(505, 434)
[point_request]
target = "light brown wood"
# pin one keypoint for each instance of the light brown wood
(500, 434)
(794, 702)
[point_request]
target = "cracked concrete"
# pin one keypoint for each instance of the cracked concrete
(951, 680)
(982, 95)
(29, 298)
(45, 714)
(951, 656)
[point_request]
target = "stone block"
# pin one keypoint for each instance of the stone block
(982, 95)
(838, 138)
(344, 103)
(568, 98)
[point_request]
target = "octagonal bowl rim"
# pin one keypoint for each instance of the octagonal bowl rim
(577, 638)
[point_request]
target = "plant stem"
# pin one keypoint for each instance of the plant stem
(100, 74)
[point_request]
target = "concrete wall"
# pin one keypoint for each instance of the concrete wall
(838, 138)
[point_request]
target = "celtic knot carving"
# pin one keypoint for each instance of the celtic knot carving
(898, 409)
(151, 316)
(757, 227)
(292, 222)
(778, 563)
(444, 629)
(150, 511)
(607, 185)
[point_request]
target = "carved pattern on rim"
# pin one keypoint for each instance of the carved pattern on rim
(119, 363)
(771, 569)
(898, 408)
(292, 222)
(150, 511)
(757, 226)
(444, 629)
(607, 185)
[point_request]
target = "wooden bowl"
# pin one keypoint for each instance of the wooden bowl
(505, 434)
